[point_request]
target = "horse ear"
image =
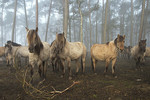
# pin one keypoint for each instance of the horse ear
(27, 29)
(63, 33)
(118, 36)
(124, 36)
(36, 29)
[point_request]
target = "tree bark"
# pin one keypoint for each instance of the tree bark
(131, 35)
(90, 23)
(36, 13)
(141, 22)
(49, 13)
(145, 20)
(105, 24)
(14, 20)
(65, 15)
(102, 27)
(26, 18)
(2, 24)
(81, 21)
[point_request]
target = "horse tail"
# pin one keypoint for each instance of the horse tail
(82, 64)
(92, 64)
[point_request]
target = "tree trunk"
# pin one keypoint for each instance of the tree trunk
(2, 24)
(96, 27)
(69, 21)
(105, 24)
(141, 22)
(102, 27)
(65, 15)
(145, 20)
(49, 13)
(26, 19)
(108, 26)
(81, 21)
(90, 23)
(131, 35)
(36, 13)
(74, 27)
(14, 20)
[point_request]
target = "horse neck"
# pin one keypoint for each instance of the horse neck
(113, 47)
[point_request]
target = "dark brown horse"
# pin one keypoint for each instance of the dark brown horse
(39, 52)
(137, 53)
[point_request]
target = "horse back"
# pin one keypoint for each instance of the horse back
(2, 51)
(103, 51)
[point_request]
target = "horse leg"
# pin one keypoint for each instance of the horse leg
(77, 66)
(93, 61)
(113, 67)
(83, 64)
(69, 68)
(40, 71)
(63, 67)
(106, 66)
(45, 69)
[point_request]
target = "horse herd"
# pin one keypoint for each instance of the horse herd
(61, 52)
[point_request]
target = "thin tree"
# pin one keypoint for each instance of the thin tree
(81, 21)
(65, 15)
(131, 35)
(105, 24)
(14, 20)
(145, 19)
(36, 13)
(102, 27)
(141, 22)
(2, 22)
(90, 23)
(50, 6)
(25, 11)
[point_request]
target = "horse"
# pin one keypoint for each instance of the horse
(15, 52)
(69, 51)
(55, 60)
(39, 52)
(107, 52)
(8, 55)
(147, 53)
(2, 51)
(13, 43)
(137, 53)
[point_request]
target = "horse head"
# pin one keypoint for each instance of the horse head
(142, 45)
(34, 42)
(119, 42)
(60, 40)
(8, 53)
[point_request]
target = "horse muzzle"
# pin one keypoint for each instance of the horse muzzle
(30, 50)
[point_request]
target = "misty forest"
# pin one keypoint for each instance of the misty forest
(39, 39)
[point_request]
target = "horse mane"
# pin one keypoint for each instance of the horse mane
(107, 43)
(39, 45)
(121, 38)
(13, 43)
(60, 46)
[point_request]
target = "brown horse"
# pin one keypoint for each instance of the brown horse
(107, 52)
(38, 52)
(138, 52)
(69, 51)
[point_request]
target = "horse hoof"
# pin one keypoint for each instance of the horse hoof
(115, 77)
(70, 78)
(61, 76)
